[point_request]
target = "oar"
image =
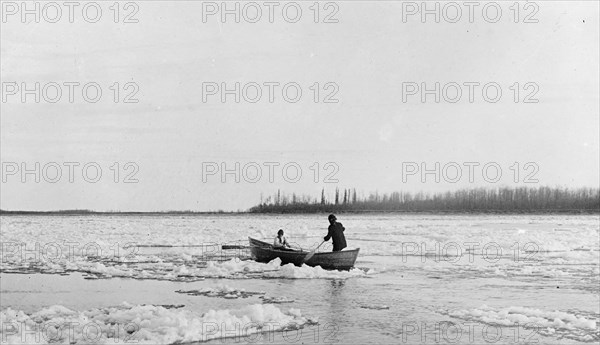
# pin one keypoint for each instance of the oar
(233, 246)
(310, 255)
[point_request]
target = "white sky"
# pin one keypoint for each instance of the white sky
(368, 134)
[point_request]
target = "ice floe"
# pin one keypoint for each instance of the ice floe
(144, 324)
(375, 306)
(275, 300)
(165, 269)
(222, 291)
(580, 326)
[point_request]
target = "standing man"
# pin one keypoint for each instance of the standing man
(336, 232)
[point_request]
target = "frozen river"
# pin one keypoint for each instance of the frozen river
(419, 279)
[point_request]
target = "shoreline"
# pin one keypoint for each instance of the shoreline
(292, 212)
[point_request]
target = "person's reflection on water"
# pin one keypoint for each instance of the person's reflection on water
(339, 304)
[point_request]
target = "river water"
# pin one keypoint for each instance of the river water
(419, 279)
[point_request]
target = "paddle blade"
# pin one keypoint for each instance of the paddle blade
(309, 255)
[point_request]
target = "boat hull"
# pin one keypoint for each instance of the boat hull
(264, 252)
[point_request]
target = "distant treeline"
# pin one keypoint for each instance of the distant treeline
(501, 200)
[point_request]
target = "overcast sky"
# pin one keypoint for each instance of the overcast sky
(171, 133)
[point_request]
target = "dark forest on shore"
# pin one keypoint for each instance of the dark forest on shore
(492, 200)
(479, 200)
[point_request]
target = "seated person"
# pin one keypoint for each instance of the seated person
(280, 242)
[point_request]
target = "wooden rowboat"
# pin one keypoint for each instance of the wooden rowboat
(265, 252)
